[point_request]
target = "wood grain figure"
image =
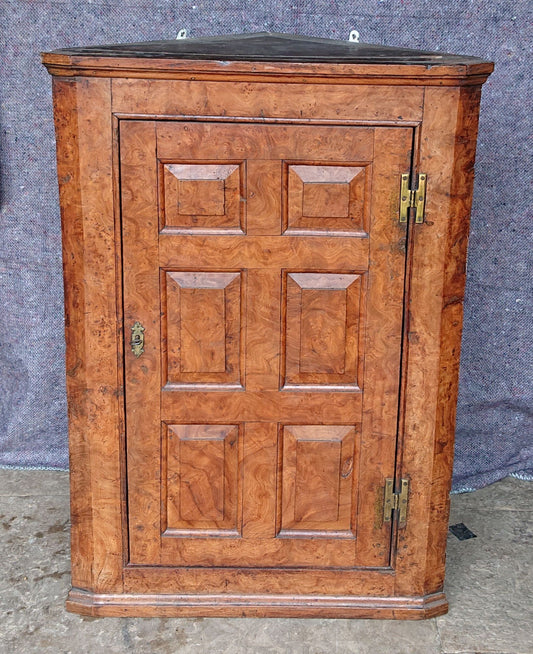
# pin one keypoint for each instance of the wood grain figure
(295, 338)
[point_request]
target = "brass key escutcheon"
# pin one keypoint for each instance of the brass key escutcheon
(137, 339)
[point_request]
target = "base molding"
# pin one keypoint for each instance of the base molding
(257, 606)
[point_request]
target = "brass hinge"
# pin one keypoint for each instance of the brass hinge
(396, 501)
(410, 199)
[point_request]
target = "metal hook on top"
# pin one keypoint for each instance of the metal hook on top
(182, 34)
(354, 36)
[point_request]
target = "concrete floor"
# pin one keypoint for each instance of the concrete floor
(489, 587)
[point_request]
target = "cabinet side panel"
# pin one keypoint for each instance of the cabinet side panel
(81, 531)
(451, 329)
(448, 139)
(83, 119)
(425, 303)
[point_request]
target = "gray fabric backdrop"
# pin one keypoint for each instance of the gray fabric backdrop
(494, 426)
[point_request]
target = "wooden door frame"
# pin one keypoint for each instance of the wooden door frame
(86, 128)
(377, 445)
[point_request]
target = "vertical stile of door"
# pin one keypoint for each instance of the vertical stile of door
(392, 153)
(141, 303)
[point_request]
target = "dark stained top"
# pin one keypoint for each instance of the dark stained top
(267, 46)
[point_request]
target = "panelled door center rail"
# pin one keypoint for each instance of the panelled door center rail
(264, 250)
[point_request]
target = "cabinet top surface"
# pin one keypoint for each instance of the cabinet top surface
(269, 56)
(272, 47)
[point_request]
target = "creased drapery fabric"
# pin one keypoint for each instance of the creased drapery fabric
(494, 423)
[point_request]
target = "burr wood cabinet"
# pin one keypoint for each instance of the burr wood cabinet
(264, 253)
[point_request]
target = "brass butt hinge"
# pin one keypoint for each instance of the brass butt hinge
(396, 501)
(410, 199)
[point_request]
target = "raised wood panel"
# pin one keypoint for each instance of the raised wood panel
(322, 330)
(317, 482)
(202, 198)
(201, 480)
(202, 328)
(326, 199)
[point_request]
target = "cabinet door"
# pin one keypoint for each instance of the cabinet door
(266, 264)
